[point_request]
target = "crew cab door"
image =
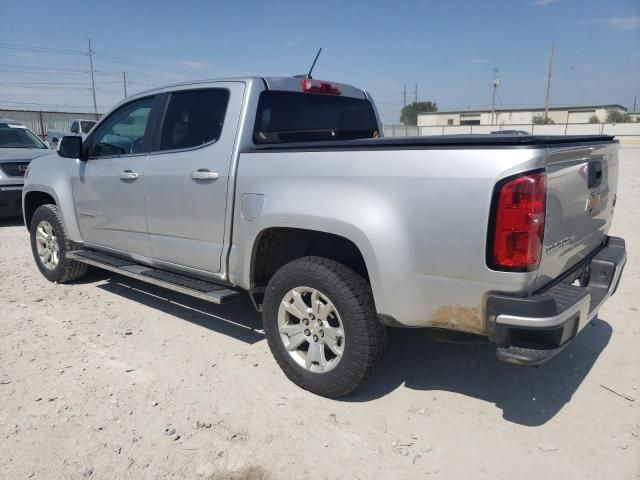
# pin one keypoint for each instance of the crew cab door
(108, 187)
(187, 175)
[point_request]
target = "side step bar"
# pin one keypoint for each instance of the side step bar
(193, 287)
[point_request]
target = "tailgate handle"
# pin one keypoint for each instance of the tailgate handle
(595, 174)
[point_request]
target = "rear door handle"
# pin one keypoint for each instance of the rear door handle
(203, 174)
(129, 175)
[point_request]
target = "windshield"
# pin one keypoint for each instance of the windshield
(18, 136)
(285, 117)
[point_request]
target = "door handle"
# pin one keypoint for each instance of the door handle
(203, 174)
(128, 175)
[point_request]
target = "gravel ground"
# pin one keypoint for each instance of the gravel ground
(111, 378)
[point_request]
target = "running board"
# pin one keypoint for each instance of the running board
(193, 287)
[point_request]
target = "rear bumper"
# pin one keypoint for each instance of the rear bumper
(10, 200)
(531, 330)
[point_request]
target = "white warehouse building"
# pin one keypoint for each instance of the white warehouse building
(516, 116)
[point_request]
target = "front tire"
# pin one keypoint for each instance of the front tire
(49, 245)
(322, 327)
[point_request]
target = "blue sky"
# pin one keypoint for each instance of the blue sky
(447, 47)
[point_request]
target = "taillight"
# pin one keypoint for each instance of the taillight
(518, 220)
(317, 86)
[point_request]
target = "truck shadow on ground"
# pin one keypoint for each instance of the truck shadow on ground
(238, 319)
(11, 222)
(529, 396)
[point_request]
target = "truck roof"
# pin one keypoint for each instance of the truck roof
(292, 84)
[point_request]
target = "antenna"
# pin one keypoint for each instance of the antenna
(314, 63)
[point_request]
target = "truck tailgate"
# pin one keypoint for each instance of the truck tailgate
(582, 183)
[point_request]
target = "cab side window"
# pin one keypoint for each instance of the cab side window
(123, 132)
(74, 127)
(193, 118)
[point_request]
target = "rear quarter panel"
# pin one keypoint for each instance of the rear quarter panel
(419, 217)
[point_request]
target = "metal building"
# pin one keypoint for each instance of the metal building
(517, 116)
(39, 121)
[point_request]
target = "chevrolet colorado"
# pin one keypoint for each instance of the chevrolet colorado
(279, 187)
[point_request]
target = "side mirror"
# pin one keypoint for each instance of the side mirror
(70, 147)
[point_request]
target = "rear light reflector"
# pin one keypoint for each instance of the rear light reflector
(519, 214)
(317, 86)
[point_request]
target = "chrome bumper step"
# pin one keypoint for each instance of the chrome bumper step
(209, 291)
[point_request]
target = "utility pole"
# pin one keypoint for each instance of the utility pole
(415, 96)
(635, 98)
(404, 96)
(93, 81)
(546, 102)
(495, 82)
(124, 83)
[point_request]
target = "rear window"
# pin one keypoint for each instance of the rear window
(285, 117)
(86, 126)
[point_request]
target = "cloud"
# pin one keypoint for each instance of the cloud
(294, 42)
(624, 23)
(621, 23)
(543, 3)
(195, 65)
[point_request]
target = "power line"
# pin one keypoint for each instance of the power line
(44, 87)
(40, 68)
(43, 83)
(49, 104)
(146, 64)
(92, 53)
(62, 51)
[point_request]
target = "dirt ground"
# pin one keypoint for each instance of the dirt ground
(111, 378)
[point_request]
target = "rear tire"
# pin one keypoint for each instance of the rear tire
(338, 343)
(49, 245)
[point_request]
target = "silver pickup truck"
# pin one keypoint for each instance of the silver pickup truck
(279, 187)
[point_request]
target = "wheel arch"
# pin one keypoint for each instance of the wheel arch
(274, 247)
(31, 201)
(35, 195)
